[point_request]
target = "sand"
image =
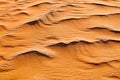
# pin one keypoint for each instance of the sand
(60, 40)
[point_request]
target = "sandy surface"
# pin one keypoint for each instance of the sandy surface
(59, 39)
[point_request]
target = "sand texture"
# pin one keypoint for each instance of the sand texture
(59, 39)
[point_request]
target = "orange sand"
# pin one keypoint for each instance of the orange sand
(60, 40)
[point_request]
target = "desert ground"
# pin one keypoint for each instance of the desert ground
(59, 39)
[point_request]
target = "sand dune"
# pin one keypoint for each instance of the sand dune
(59, 40)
